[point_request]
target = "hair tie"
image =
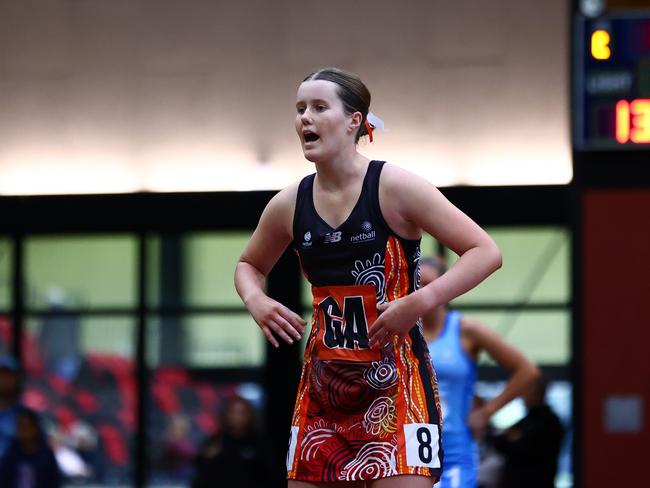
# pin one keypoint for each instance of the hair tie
(369, 129)
(373, 122)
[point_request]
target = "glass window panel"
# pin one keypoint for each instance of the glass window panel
(80, 377)
(209, 267)
(206, 341)
(535, 267)
(81, 271)
(104, 335)
(543, 336)
(6, 255)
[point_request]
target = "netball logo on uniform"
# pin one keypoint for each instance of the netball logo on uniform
(367, 233)
(307, 241)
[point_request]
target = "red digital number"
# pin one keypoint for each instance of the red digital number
(633, 121)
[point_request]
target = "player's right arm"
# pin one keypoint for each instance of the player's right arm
(523, 372)
(273, 234)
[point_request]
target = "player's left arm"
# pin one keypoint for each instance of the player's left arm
(417, 203)
(523, 372)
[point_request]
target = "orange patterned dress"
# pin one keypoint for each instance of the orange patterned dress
(362, 412)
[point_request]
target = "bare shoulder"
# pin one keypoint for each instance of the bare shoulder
(279, 211)
(407, 191)
(415, 203)
(285, 200)
(398, 179)
(472, 328)
(479, 337)
(402, 196)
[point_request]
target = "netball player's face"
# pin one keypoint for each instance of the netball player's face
(322, 125)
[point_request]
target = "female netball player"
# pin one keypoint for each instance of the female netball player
(455, 343)
(367, 411)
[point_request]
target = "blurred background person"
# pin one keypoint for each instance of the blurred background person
(455, 343)
(83, 438)
(178, 451)
(9, 404)
(71, 464)
(236, 455)
(531, 446)
(59, 337)
(29, 461)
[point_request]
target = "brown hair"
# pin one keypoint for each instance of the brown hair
(229, 403)
(351, 90)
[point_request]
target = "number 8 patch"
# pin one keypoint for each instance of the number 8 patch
(422, 445)
(293, 440)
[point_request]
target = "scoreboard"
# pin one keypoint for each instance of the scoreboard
(612, 82)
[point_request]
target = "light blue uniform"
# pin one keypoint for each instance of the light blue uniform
(456, 373)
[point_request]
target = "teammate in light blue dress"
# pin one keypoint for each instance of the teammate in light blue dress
(454, 345)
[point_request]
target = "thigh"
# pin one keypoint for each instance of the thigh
(307, 484)
(401, 481)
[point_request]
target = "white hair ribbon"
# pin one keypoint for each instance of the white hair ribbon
(375, 121)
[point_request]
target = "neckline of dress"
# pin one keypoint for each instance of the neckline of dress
(358, 202)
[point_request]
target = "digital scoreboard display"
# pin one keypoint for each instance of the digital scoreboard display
(612, 83)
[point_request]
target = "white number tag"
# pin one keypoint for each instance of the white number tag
(293, 440)
(422, 445)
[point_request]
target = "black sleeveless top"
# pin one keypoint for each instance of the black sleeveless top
(355, 252)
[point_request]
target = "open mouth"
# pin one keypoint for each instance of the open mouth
(310, 136)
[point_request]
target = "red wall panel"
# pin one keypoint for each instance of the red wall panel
(615, 332)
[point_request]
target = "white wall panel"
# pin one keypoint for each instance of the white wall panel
(161, 95)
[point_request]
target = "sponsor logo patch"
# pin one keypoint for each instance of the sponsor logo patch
(307, 239)
(367, 234)
(332, 237)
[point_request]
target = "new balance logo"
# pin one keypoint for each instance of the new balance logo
(332, 237)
